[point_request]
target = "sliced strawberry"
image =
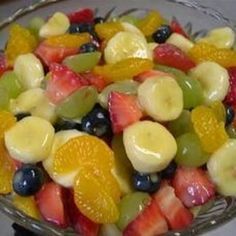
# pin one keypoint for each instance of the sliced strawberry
(50, 203)
(192, 186)
(149, 74)
(148, 223)
(170, 55)
(96, 80)
(231, 96)
(124, 110)
(85, 15)
(177, 216)
(177, 28)
(50, 54)
(3, 63)
(63, 82)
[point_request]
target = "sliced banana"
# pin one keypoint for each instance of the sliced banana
(61, 138)
(221, 37)
(180, 41)
(222, 168)
(30, 140)
(149, 146)
(109, 230)
(131, 28)
(58, 24)
(214, 80)
(161, 98)
(125, 45)
(29, 70)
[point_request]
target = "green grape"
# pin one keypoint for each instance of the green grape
(190, 152)
(35, 24)
(192, 91)
(130, 206)
(4, 99)
(123, 168)
(231, 131)
(9, 81)
(130, 19)
(126, 86)
(83, 62)
(182, 124)
(175, 72)
(198, 210)
(78, 104)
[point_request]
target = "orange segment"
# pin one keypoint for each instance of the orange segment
(7, 120)
(69, 40)
(92, 199)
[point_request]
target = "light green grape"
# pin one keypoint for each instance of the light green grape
(190, 152)
(170, 70)
(130, 206)
(35, 24)
(9, 81)
(231, 131)
(130, 19)
(4, 99)
(126, 86)
(78, 104)
(83, 62)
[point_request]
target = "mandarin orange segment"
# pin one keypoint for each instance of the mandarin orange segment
(7, 120)
(26, 205)
(69, 40)
(92, 199)
(125, 69)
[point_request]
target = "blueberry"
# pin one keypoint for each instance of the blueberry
(99, 20)
(169, 171)
(22, 115)
(21, 231)
(162, 34)
(28, 180)
(229, 115)
(97, 122)
(81, 28)
(66, 125)
(88, 47)
(147, 182)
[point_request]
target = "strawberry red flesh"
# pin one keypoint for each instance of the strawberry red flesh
(3, 63)
(124, 110)
(177, 216)
(148, 223)
(50, 203)
(231, 96)
(170, 55)
(192, 186)
(85, 15)
(177, 28)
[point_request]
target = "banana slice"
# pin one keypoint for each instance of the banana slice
(149, 146)
(161, 98)
(214, 80)
(29, 70)
(125, 45)
(60, 138)
(222, 168)
(131, 28)
(180, 41)
(30, 140)
(109, 230)
(221, 37)
(58, 24)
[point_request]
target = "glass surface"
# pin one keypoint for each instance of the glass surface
(201, 18)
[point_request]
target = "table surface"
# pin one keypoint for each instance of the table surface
(225, 6)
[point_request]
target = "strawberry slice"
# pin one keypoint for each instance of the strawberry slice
(177, 28)
(3, 63)
(177, 216)
(150, 74)
(50, 203)
(192, 186)
(51, 54)
(124, 110)
(148, 223)
(95, 80)
(231, 96)
(85, 15)
(170, 55)
(63, 82)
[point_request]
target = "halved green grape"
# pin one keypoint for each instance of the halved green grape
(130, 19)
(126, 86)
(4, 99)
(9, 81)
(78, 104)
(182, 124)
(190, 152)
(83, 62)
(170, 70)
(130, 206)
(231, 131)
(192, 91)
(35, 24)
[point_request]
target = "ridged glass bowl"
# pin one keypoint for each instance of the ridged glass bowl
(196, 19)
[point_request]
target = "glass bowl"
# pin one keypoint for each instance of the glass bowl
(224, 208)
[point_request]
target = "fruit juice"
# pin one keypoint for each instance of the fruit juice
(122, 127)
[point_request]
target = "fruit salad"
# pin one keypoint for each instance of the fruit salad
(119, 126)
